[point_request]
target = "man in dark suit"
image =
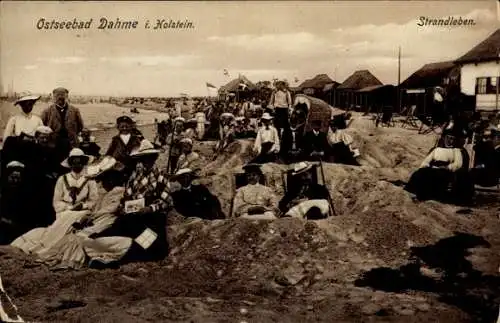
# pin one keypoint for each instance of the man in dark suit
(66, 122)
(195, 200)
(315, 143)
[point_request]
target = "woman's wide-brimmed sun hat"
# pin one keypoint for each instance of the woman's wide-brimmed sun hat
(266, 116)
(301, 168)
(145, 148)
(27, 97)
(106, 164)
(77, 153)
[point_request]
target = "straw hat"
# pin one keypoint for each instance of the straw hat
(183, 172)
(180, 119)
(300, 168)
(106, 164)
(266, 116)
(27, 97)
(77, 153)
(145, 148)
(186, 141)
(227, 115)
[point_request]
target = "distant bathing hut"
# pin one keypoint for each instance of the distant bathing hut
(419, 89)
(241, 88)
(347, 96)
(480, 74)
(315, 86)
(377, 98)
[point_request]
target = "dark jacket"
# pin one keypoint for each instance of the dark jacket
(90, 148)
(197, 202)
(121, 152)
(73, 122)
(312, 142)
(313, 192)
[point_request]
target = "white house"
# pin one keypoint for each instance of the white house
(480, 73)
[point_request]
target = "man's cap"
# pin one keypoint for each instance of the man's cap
(60, 90)
(124, 119)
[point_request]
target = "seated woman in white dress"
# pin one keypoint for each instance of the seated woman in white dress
(64, 243)
(255, 201)
(444, 167)
(307, 200)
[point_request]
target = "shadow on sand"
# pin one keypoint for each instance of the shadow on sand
(457, 283)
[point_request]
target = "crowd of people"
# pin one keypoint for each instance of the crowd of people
(72, 205)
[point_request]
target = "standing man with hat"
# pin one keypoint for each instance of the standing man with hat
(281, 100)
(65, 120)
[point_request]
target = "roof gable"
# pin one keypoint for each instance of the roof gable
(317, 82)
(429, 75)
(488, 49)
(359, 80)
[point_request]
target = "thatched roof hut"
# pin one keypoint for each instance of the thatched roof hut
(358, 80)
(234, 85)
(487, 50)
(317, 83)
(430, 75)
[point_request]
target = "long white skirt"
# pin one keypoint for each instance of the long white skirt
(268, 215)
(300, 210)
(59, 246)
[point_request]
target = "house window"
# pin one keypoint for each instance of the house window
(481, 85)
(487, 85)
(446, 81)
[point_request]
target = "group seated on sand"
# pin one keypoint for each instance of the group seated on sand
(102, 221)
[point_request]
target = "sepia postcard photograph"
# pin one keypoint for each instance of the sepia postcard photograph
(250, 161)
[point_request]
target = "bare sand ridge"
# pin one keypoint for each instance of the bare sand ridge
(384, 258)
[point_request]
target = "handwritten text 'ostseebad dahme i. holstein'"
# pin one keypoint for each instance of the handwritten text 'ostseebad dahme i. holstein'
(112, 24)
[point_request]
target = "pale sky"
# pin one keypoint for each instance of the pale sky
(261, 40)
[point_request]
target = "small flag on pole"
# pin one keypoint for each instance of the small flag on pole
(211, 85)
